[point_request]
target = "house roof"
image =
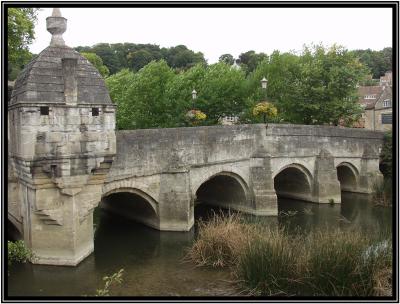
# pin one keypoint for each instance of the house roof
(386, 94)
(48, 77)
(42, 80)
(363, 91)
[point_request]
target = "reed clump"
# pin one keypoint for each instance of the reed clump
(270, 261)
(220, 241)
(382, 193)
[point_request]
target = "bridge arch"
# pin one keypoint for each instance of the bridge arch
(348, 176)
(224, 189)
(132, 203)
(294, 181)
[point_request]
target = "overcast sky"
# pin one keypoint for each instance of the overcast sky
(216, 31)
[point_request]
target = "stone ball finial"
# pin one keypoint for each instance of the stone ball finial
(56, 25)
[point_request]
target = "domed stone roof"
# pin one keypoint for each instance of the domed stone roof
(44, 79)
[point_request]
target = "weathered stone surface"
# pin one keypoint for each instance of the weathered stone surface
(56, 148)
(42, 79)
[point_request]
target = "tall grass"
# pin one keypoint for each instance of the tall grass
(220, 241)
(270, 261)
(383, 193)
(269, 265)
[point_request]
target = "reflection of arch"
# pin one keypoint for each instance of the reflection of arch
(347, 175)
(132, 203)
(153, 203)
(225, 188)
(294, 181)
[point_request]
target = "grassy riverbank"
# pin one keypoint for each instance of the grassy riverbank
(270, 261)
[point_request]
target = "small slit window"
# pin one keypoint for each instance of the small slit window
(95, 111)
(44, 110)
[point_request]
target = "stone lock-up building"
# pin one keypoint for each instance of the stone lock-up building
(65, 159)
(61, 146)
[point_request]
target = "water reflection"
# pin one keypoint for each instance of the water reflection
(153, 260)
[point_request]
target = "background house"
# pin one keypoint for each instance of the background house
(377, 102)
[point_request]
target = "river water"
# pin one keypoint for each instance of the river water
(153, 261)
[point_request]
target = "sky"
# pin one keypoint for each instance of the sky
(217, 31)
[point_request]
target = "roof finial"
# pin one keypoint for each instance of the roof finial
(56, 12)
(56, 25)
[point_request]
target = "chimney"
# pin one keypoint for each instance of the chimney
(70, 83)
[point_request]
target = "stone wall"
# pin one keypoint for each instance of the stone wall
(153, 151)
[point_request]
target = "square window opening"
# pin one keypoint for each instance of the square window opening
(44, 110)
(95, 111)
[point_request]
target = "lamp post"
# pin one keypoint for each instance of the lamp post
(194, 96)
(264, 83)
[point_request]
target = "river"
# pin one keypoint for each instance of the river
(153, 261)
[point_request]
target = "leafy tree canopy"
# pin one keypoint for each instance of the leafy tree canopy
(20, 34)
(133, 56)
(378, 62)
(227, 58)
(316, 87)
(97, 62)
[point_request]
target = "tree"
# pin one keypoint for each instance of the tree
(322, 87)
(20, 34)
(250, 59)
(119, 86)
(138, 59)
(221, 92)
(97, 62)
(179, 91)
(227, 58)
(141, 97)
(181, 57)
(378, 62)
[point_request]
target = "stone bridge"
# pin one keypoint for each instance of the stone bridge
(65, 158)
(242, 167)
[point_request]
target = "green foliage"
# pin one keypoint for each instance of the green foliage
(141, 97)
(156, 97)
(20, 34)
(133, 56)
(110, 281)
(119, 86)
(250, 60)
(378, 62)
(221, 92)
(138, 59)
(386, 155)
(316, 87)
(97, 62)
(18, 252)
(227, 58)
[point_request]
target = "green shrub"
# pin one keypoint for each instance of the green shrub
(18, 252)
